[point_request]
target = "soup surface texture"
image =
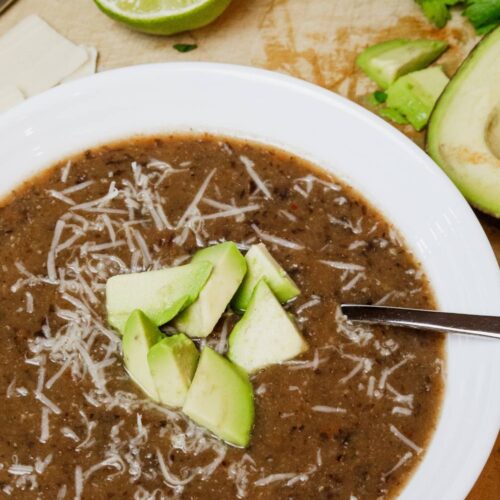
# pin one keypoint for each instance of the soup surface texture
(350, 418)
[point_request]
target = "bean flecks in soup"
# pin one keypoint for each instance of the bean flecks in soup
(350, 418)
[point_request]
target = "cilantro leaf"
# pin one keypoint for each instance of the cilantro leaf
(484, 15)
(380, 96)
(185, 47)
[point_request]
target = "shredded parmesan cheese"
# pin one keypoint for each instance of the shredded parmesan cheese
(328, 409)
(261, 185)
(276, 240)
(408, 442)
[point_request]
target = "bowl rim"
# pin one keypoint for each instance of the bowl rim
(18, 120)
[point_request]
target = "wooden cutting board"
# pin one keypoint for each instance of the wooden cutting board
(316, 40)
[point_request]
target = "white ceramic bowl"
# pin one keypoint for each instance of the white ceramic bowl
(393, 173)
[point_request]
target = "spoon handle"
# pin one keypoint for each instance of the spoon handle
(469, 324)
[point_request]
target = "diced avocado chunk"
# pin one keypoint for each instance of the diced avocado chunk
(221, 399)
(229, 268)
(262, 265)
(139, 335)
(385, 62)
(393, 115)
(464, 130)
(266, 334)
(414, 95)
(172, 362)
(161, 295)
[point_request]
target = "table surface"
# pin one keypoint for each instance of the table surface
(315, 40)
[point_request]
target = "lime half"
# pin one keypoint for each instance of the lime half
(163, 17)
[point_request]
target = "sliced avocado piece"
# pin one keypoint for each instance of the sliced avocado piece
(161, 295)
(385, 62)
(200, 318)
(464, 129)
(262, 265)
(393, 115)
(221, 399)
(139, 335)
(266, 334)
(172, 362)
(414, 95)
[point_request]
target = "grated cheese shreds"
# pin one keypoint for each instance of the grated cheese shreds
(45, 432)
(386, 372)
(239, 472)
(402, 399)
(194, 203)
(261, 185)
(29, 303)
(48, 403)
(400, 410)
(357, 368)
(70, 434)
(353, 282)
(347, 266)
(51, 258)
(356, 228)
(61, 197)
(41, 465)
(20, 470)
(359, 334)
(233, 212)
(287, 215)
(356, 244)
(78, 482)
(403, 460)
(408, 442)
(305, 365)
(276, 240)
(273, 478)
(328, 409)
(307, 305)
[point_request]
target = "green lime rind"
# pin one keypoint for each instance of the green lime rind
(158, 23)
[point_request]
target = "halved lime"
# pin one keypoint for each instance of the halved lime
(163, 17)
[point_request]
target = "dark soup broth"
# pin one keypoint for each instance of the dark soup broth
(348, 419)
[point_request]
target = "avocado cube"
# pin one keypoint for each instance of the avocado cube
(385, 62)
(221, 399)
(161, 294)
(140, 334)
(262, 265)
(414, 95)
(172, 362)
(266, 334)
(229, 268)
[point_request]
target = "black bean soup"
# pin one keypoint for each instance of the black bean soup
(349, 419)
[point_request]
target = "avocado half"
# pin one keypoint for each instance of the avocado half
(464, 129)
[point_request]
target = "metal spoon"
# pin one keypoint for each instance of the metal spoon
(422, 319)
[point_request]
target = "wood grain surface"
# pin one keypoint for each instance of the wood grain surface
(316, 40)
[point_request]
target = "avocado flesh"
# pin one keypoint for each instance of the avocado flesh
(414, 95)
(265, 335)
(229, 268)
(172, 362)
(139, 335)
(463, 135)
(221, 399)
(161, 295)
(262, 265)
(385, 62)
